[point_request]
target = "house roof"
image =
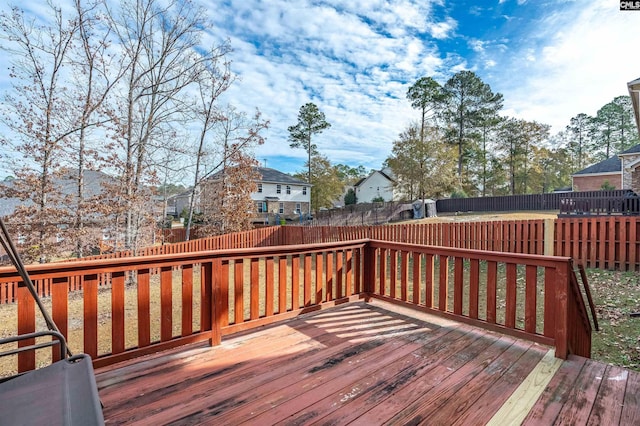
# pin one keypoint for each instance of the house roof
(275, 176)
(271, 176)
(633, 150)
(612, 164)
(67, 184)
(386, 173)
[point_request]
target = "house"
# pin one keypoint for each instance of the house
(593, 177)
(278, 194)
(621, 171)
(177, 203)
(282, 194)
(379, 184)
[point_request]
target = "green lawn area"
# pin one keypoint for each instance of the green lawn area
(616, 295)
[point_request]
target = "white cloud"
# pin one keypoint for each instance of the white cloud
(578, 68)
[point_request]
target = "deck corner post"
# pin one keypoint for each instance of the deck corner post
(562, 313)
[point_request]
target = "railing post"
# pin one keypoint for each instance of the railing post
(26, 324)
(562, 314)
(216, 303)
(369, 269)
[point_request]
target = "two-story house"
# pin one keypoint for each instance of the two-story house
(281, 194)
(378, 185)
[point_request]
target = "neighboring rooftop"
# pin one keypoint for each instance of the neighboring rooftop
(612, 164)
(271, 176)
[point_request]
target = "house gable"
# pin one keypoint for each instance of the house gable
(377, 184)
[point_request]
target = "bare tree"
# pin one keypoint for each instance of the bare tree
(226, 199)
(214, 80)
(97, 72)
(36, 112)
(160, 42)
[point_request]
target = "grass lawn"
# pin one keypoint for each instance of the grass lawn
(616, 295)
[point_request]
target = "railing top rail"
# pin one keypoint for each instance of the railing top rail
(525, 259)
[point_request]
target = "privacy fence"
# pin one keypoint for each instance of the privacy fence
(537, 202)
(610, 242)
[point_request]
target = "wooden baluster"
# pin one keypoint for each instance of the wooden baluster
(329, 277)
(187, 300)
(458, 285)
(549, 302)
(357, 284)
(166, 303)
(417, 259)
(224, 294)
(144, 315)
(117, 312)
(404, 274)
(206, 297)
(531, 293)
(60, 310)
(562, 319)
(339, 274)
(269, 298)
(429, 280)
(254, 308)
(295, 282)
(282, 284)
(319, 280)
(238, 278)
(492, 284)
(26, 324)
(393, 271)
(90, 314)
(217, 301)
(307, 279)
(474, 288)
(383, 272)
(349, 273)
(511, 294)
(443, 288)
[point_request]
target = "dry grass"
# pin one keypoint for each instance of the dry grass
(485, 217)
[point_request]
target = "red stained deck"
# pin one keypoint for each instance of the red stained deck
(362, 364)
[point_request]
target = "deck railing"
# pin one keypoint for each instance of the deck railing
(529, 296)
(153, 303)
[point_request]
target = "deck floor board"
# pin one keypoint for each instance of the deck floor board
(359, 363)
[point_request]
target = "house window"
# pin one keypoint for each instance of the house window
(304, 190)
(281, 209)
(259, 187)
(288, 189)
(278, 189)
(298, 208)
(262, 207)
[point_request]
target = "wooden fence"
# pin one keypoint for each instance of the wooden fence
(516, 236)
(260, 237)
(154, 303)
(611, 242)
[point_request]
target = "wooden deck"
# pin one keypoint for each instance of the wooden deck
(367, 364)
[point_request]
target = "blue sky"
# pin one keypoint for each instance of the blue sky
(551, 59)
